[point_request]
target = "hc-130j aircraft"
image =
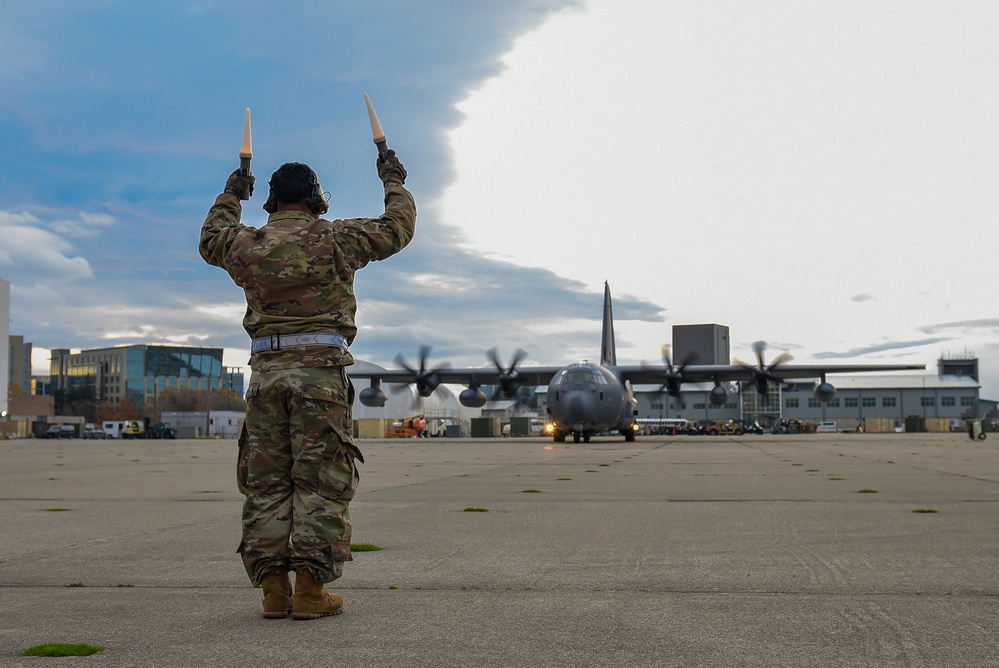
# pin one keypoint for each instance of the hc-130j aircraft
(587, 398)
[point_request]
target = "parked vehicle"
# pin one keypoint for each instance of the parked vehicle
(161, 430)
(751, 427)
(134, 429)
(95, 434)
(825, 428)
(60, 431)
(730, 428)
(787, 426)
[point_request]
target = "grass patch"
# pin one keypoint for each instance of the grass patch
(591, 471)
(364, 547)
(62, 649)
(530, 491)
(57, 510)
(393, 586)
(811, 470)
(475, 510)
(837, 478)
(124, 586)
(563, 478)
(603, 464)
(797, 464)
(75, 584)
(209, 491)
(867, 491)
(925, 510)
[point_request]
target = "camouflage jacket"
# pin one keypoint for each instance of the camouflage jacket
(297, 271)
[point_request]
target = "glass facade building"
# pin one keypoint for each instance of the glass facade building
(138, 373)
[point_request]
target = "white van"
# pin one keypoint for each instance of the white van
(825, 428)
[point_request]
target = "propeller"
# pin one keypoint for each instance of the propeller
(509, 380)
(426, 380)
(674, 375)
(762, 373)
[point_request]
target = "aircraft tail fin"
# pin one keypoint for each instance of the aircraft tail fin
(608, 349)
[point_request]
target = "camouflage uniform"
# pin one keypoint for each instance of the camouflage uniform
(297, 460)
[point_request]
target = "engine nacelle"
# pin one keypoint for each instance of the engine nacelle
(824, 392)
(718, 396)
(426, 384)
(373, 397)
(472, 398)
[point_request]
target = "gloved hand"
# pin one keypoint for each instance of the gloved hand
(239, 185)
(390, 169)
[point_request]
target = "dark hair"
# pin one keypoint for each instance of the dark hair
(295, 182)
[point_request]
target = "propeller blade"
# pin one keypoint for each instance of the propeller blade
(761, 373)
(780, 359)
(509, 379)
(426, 381)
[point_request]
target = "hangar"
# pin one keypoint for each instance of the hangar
(859, 399)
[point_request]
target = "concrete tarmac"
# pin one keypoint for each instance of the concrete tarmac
(795, 550)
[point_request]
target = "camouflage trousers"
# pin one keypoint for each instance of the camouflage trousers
(298, 472)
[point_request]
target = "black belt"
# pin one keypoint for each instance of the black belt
(280, 341)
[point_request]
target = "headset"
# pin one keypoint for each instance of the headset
(317, 199)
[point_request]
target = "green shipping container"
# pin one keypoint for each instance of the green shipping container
(483, 427)
(520, 426)
(915, 423)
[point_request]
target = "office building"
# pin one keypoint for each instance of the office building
(138, 372)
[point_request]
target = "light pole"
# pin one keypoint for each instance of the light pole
(208, 409)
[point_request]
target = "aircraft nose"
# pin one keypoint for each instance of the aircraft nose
(578, 405)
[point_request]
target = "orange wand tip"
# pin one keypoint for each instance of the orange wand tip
(376, 127)
(246, 150)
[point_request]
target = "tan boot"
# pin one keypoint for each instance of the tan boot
(277, 594)
(311, 601)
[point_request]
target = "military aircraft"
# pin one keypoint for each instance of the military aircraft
(588, 398)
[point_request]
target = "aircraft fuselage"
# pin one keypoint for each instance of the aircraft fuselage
(586, 399)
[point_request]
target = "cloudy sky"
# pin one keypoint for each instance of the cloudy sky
(820, 175)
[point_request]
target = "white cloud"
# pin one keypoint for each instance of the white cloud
(229, 313)
(87, 226)
(762, 165)
(33, 254)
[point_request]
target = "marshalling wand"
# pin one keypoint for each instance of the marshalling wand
(246, 150)
(376, 128)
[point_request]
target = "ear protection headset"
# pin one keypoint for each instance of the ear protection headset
(316, 199)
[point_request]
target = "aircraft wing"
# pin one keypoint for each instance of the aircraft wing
(702, 373)
(527, 375)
